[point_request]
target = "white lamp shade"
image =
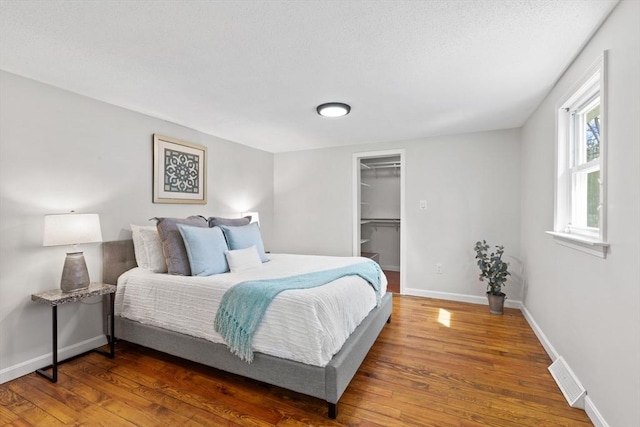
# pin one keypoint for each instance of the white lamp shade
(255, 217)
(71, 229)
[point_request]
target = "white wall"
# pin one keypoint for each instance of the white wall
(471, 184)
(60, 151)
(589, 308)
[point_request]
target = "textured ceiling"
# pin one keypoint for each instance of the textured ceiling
(254, 71)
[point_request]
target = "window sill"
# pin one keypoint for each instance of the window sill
(583, 244)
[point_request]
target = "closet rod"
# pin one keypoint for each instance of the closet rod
(375, 222)
(380, 165)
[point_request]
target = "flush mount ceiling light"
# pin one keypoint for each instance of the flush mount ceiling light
(333, 109)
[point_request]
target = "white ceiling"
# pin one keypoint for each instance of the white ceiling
(254, 71)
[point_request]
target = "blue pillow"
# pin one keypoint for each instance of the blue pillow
(206, 249)
(244, 237)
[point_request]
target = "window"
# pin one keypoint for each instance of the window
(580, 206)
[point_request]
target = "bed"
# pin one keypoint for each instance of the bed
(326, 381)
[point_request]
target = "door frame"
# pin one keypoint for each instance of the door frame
(357, 157)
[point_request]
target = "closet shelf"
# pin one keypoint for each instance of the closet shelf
(371, 255)
(363, 241)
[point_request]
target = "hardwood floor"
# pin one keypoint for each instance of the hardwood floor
(438, 363)
(393, 281)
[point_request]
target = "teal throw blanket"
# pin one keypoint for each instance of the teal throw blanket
(243, 306)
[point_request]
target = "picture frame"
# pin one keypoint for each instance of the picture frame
(179, 171)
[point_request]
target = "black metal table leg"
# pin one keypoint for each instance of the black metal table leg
(57, 297)
(111, 338)
(53, 377)
(112, 330)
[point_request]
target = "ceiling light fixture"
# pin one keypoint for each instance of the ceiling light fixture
(333, 109)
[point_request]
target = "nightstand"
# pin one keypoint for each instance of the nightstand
(56, 297)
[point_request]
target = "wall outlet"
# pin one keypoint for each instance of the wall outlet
(438, 268)
(423, 205)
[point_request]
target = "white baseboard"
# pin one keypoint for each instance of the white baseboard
(594, 415)
(592, 412)
(473, 299)
(548, 347)
(23, 368)
(29, 366)
(390, 267)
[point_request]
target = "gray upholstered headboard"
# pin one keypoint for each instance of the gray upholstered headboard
(117, 257)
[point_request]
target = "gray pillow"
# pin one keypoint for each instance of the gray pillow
(175, 253)
(231, 222)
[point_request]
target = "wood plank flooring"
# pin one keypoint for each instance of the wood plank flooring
(393, 281)
(438, 363)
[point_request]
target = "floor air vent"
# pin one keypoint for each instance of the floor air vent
(568, 383)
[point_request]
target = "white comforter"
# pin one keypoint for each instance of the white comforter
(307, 326)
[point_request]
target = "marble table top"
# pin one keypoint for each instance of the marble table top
(58, 297)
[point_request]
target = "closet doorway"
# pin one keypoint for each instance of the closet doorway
(378, 206)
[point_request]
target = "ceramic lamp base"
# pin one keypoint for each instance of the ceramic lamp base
(74, 274)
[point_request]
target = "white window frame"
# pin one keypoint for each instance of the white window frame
(572, 167)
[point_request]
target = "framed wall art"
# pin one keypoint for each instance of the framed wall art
(179, 171)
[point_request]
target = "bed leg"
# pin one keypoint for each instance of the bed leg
(389, 319)
(332, 410)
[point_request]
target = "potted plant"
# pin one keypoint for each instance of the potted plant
(495, 271)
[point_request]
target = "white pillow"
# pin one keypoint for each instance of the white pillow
(138, 245)
(243, 259)
(153, 247)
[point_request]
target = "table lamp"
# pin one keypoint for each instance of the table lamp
(255, 216)
(72, 229)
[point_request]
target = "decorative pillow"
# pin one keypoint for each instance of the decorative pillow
(175, 254)
(206, 249)
(232, 222)
(153, 248)
(244, 237)
(138, 244)
(243, 259)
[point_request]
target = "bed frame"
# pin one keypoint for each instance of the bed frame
(327, 383)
